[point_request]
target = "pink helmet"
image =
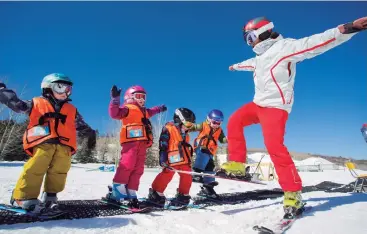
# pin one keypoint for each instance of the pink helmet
(129, 94)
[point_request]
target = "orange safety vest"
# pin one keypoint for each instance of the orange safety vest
(45, 124)
(136, 126)
(207, 139)
(179, 150)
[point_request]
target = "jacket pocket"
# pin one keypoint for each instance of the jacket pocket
(38, 132)
(134, 131)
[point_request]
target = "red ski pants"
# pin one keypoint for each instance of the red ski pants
(161, 181)
(273, 122)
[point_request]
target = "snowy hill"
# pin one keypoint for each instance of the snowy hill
(333, 213)
(315, 161)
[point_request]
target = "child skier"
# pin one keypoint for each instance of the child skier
(50, 140)
(205, 146)
(135, 138)
(175, 152)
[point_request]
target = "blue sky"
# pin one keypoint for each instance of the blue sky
(180, 52)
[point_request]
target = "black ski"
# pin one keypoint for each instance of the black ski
(283, 225)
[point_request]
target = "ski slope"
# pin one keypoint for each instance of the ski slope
(333, 213)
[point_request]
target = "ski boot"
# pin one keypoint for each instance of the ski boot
(49, 200)
(117, 193)
(207, 190)
(197, 179)
(156, 198)
(135, 203)
(234, 170)
(180, 200)
(132, 200)
(292, 204)
(33, 205)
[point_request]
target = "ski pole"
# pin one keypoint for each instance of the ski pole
(210, 175)
(258, 165)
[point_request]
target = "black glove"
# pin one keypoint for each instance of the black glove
(115, 92)
(349, 28)
(2, 85)
(163, 108)
(355, 26)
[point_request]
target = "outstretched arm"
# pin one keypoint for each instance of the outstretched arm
(196, 127)
(309, 47)
(155, 110)
(247, 65)
(9, 98)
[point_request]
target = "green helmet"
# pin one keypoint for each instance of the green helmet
(55, 78)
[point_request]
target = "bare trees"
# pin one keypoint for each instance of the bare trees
(12, 128)
(158, 122)
(108, 146)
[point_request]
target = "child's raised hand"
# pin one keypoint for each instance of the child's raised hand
(115, 92)
(163, 108)
(231, 68)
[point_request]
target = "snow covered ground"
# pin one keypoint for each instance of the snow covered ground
(333, 213)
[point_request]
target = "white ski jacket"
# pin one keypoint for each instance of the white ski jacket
(274, 66)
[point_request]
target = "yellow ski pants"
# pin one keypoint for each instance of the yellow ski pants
(54, 160)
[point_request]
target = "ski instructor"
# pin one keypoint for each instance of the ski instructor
(274, 69)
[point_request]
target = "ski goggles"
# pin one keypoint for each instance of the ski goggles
(217, 123)
(61, 88)
(139, 96)
(214, 122)
(251, 36)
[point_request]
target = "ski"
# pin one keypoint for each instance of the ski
(219, 201)
(157, 206)
(129, 209)
(191, 205)
(44, 215)
(283, 225)
(171, 207)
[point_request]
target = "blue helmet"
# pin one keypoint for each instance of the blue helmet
(54, 78)
(216, 115)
